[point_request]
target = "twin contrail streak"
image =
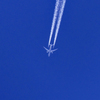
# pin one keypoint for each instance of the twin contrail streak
(59, 8)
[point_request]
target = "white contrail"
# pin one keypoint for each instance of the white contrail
(59, 20)
(59, 8)
(54, 20)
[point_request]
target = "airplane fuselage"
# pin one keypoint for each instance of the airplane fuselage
(50, 50)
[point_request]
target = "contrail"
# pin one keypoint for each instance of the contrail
(54, 20)
(58, 12)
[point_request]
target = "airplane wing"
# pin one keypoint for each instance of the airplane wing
(54, 50)
(46, 49)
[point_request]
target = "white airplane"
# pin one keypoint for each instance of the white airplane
(49, 51)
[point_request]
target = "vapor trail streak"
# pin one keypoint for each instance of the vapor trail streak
(59, 20)
(59, 7)
(54, 20)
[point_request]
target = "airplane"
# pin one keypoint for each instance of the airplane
(49, 51)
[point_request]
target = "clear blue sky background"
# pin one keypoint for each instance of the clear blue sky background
(70, 73)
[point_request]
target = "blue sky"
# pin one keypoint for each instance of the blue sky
(70, 73)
